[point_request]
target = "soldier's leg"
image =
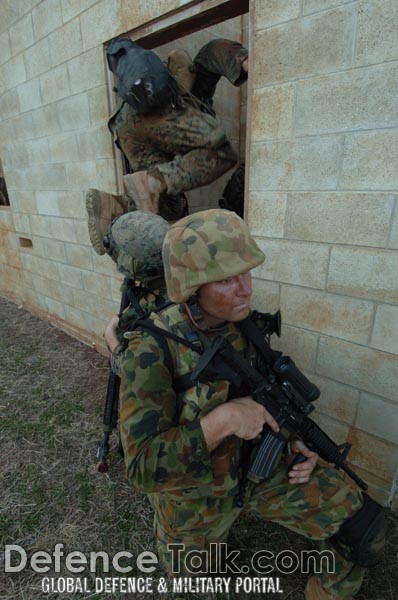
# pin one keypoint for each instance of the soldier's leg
(181, 148)
(184, 531)
(316, 510)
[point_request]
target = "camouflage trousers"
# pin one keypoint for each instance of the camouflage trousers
(184, 146)
(316, 510)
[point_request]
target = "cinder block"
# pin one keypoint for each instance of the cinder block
(72, 204)
(14, 72)
(137, 13)
(61, 292)
(41, 226)
(29, 262)
(101, 22)
(274, 12)
(74, 112)
(312, 6)
(369, 161)
(98, 285)
(331, 314)
(82, 231)
(115, 283)
(98, 104)
(18, 157)
(106, 175)
(47, 203)
(46, 16)
(9, 104)
(65, 42)
(21, 223)
(63, 148)
(63, 229)
(336, 400)
(301, 164)
(306, 47)
(378, 417)
(364, 273)
(54, 84)
(56, 308)
(5, 47)
(272, 113)
(341, 218)
(298, 263)
(27, 202)
(105, 265)
(82, 321)
(385, 330)
(95, 143)
(348, 101)
(48, 268)
(300, 345)
(376, 39)
(72, 8)
(37, 58)
(21, 34)
(266, 295)
(79, 256)
(372, 454)
(87, 71)
(43, 285)
(70, 276)
(267, 212)
(364, 368)
(45, 121)
(85, 301)
(38, 151)
(57, 252)
(52, 177)
(81, 175)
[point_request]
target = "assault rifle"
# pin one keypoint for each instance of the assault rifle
(287, 395)
(111, 408)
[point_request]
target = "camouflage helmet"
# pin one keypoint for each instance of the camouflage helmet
(134, 241)
(204, 247)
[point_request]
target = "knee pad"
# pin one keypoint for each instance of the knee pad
(361, 538)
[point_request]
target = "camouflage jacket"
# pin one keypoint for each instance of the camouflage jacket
(165, 450)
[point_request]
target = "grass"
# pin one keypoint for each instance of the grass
(51, 399)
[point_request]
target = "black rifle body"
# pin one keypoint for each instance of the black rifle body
(287, 395)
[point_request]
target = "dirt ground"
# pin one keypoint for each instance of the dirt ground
(52, 390)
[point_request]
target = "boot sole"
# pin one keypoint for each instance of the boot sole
(93, 206)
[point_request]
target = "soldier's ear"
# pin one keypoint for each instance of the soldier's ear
(116, 49)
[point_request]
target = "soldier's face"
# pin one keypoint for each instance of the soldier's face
(227, 300)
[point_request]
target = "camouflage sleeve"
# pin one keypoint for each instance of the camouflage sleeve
(161, 454)
(218, 58)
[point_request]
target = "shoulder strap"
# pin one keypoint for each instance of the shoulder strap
(253, 333)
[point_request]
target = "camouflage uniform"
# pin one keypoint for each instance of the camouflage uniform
(184, 146)
(191, 490)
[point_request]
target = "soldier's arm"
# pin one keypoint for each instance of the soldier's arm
(160, 452)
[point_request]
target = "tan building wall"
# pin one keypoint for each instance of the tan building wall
(322, 185)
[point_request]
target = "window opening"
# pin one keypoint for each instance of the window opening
(230, 103)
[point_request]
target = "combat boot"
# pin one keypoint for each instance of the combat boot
(102, 208)
(180, 65)
(145, 190)
(315, 591)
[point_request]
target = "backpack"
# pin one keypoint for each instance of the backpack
(143, 80)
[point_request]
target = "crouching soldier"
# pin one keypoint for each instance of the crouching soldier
(184, 436)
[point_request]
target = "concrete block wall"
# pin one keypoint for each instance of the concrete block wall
(323, 182)
(54, 144)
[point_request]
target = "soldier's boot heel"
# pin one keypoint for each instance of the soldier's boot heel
(145, 189)
(102, 208)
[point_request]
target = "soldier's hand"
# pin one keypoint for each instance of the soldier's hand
(110, 333)
(301, 472)
(249, 417)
